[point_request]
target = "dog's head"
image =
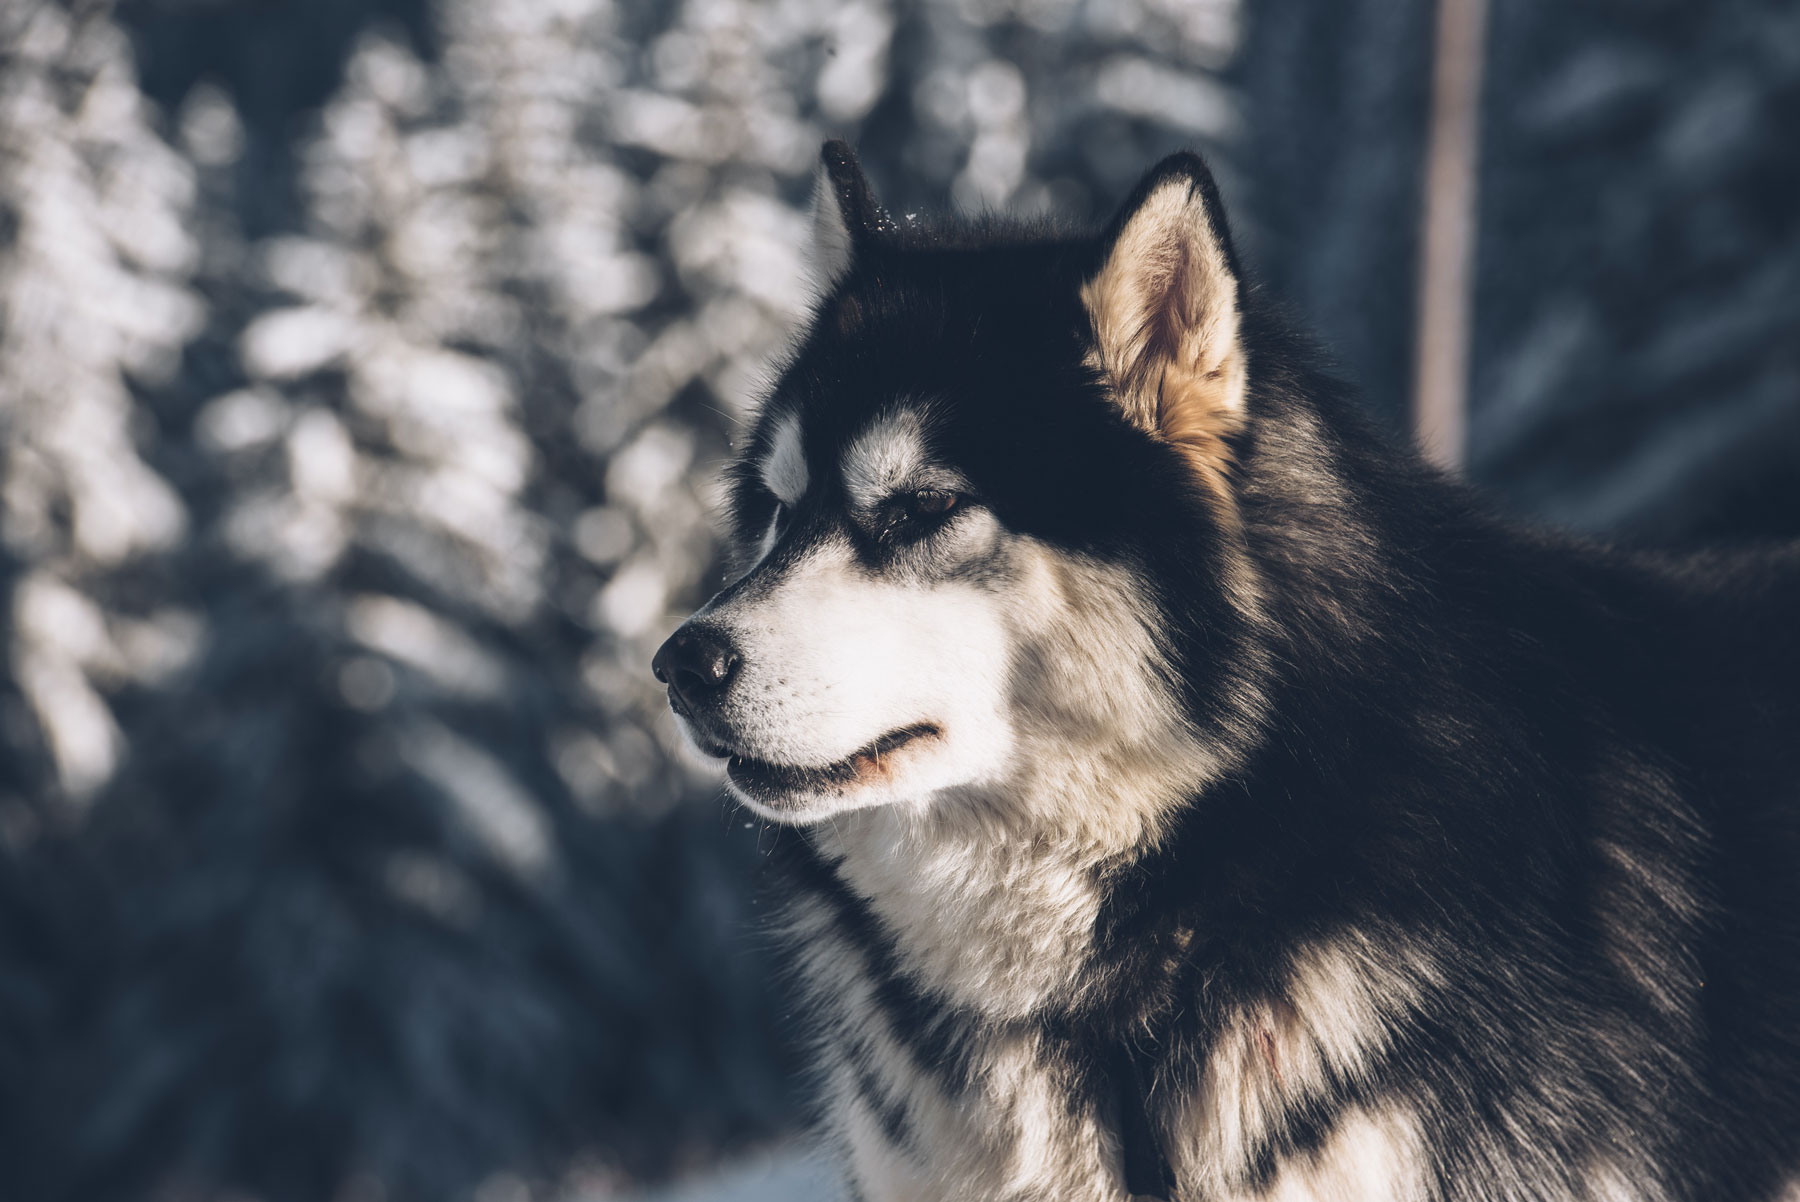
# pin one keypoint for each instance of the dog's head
(988, 524)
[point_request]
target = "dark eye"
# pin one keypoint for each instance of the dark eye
(913, 515)
(932, 502)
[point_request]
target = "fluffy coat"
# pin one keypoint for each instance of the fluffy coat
(1351, 842)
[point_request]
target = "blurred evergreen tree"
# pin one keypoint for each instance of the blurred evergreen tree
(1637, 364)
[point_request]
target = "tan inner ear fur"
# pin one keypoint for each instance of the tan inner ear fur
(1165, 315)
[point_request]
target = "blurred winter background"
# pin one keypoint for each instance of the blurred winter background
(362, 371)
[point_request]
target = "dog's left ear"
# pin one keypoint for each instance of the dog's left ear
(1165, 311)
(846, 216)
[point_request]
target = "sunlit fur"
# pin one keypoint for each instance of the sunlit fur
(1166, 316)
(1276, 799)
(784, 471)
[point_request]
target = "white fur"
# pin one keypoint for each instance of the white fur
(784, 471)
(1013, 1137)
(833, 659)
(1343, 999)
(1371, 1156)
(831, 245)
(884, 458)
(770, 537)
(1018, 1141)
(996, 924)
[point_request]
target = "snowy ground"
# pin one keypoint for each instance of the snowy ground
(783, 1175)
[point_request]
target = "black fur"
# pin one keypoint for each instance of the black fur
(1467, 728)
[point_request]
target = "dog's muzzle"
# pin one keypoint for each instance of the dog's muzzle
(698, 663)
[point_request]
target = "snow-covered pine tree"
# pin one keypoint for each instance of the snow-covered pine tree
(94, 304)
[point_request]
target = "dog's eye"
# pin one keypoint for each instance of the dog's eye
(932, 502)
(908, 516)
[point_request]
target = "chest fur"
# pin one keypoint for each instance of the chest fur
(1006, 1125)
(940, 1079)
(924, 973)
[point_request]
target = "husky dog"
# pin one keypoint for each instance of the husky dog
(1198, 797)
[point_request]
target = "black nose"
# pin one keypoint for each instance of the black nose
(697, 663)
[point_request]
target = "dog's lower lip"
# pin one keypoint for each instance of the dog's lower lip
(759, 776)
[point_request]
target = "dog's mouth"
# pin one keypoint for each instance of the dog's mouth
(767, 782)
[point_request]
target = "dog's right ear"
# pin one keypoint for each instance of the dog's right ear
(846, 216)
